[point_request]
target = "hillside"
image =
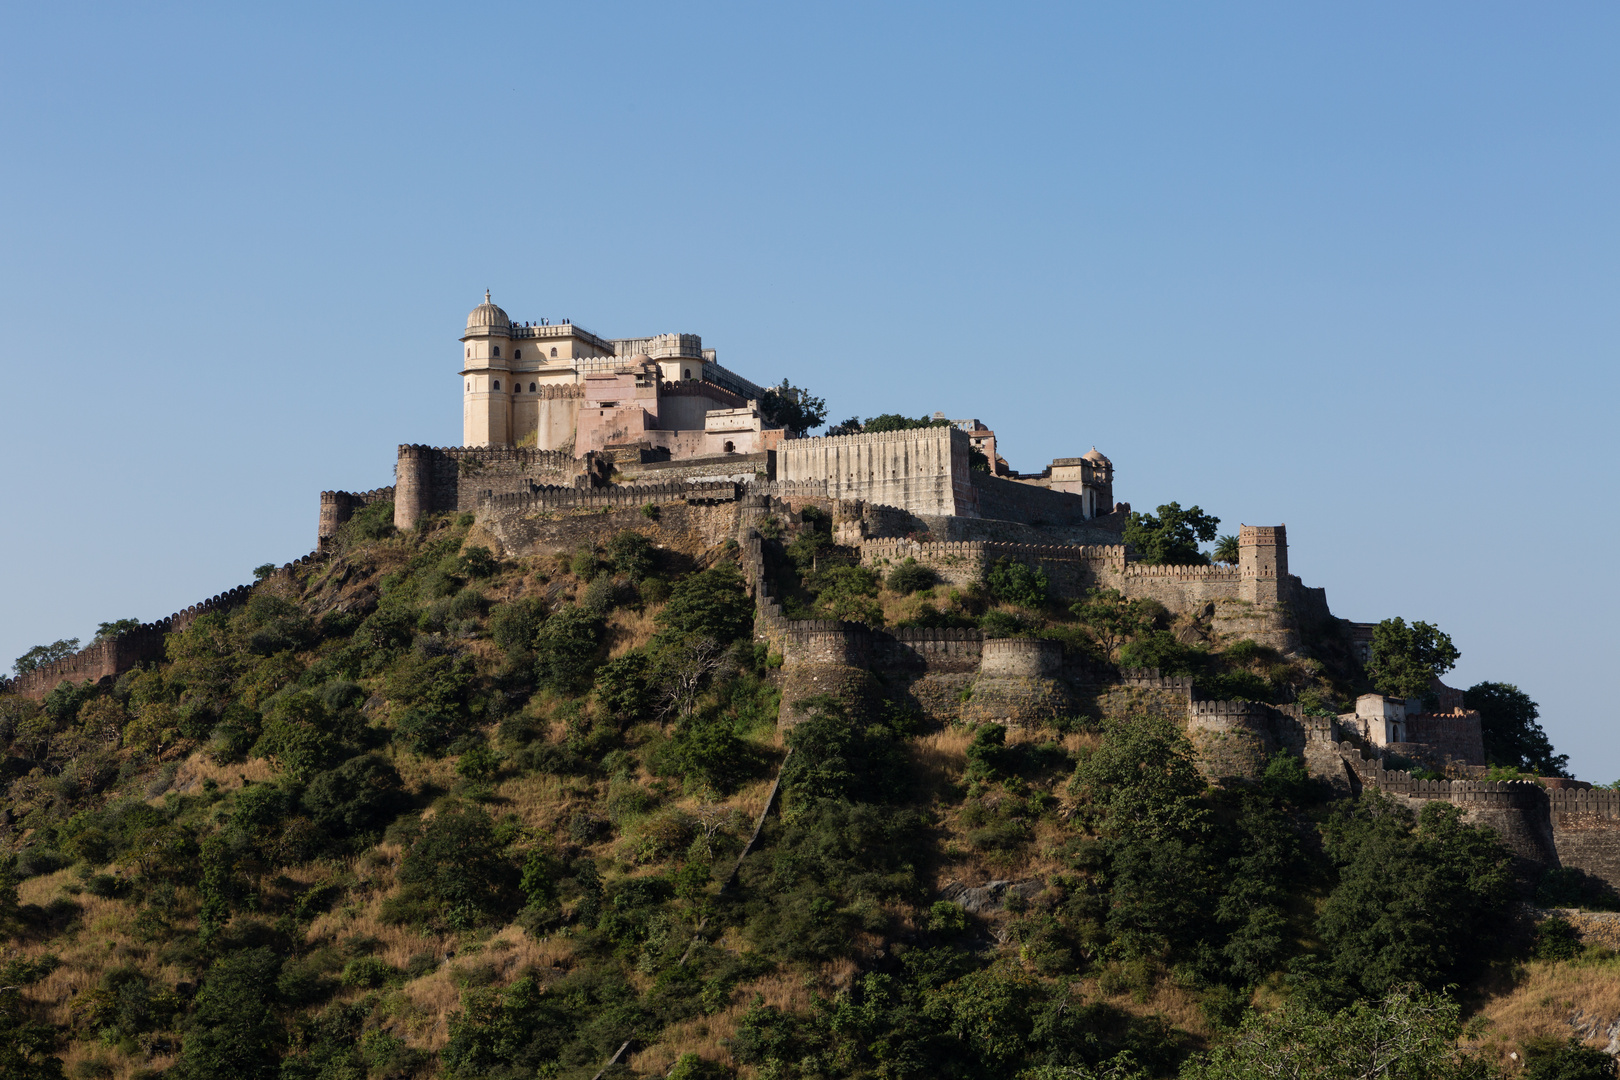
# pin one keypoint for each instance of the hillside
(433, 806)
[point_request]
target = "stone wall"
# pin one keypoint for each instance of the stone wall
(1586, 831)
(144, 644)
(923, 470)
(1071, 569)
(338, 507)
(446, 479)
(1008, 500)
(690, 517)
(735, 467)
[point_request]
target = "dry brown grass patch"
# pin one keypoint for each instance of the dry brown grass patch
(199, 767)
(1544, 1001)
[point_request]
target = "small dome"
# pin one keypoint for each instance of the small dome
(1094, 456)
(487, 315)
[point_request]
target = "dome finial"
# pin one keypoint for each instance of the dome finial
(486, 296)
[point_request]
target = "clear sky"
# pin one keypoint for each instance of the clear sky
(1349, 267)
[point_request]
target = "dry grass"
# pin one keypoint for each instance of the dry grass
(704, 1035)
(629, 628)
(199, 767)
(1177, 1006)
(1551, 999)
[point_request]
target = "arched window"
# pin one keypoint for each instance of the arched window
(469, 388)
(531, 388)
(686, 374)
(517, 354)
(497, 384)
(730, 448)
(497, 350)
(554, 352)
(469, 352)
(518, 389)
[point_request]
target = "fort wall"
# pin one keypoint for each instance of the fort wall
(1008, 500)
(338, 507)
(446, 479)
(922, 470)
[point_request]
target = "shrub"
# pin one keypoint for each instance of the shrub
(585, 564)
(910, 576)
(455, 867)
(603, 595)
(846, 592)
(517, 624)
(630, 554)
(624, 688)
(1015, 583)
(1549, 1058)
(358, 798)
(1556, 939)
(233, 1031)
(478, 562)
(711, 604)
(424, 731)
(368, 971)
(568, 647)
(373, 522)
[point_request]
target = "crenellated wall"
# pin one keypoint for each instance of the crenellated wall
(445, 479)
(338, 507)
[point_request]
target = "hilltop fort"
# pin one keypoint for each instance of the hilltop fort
(570, 438)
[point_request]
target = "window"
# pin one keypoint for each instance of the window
(531, 388)
(497, 384)
(469, 352)
(554, 352)
(518, 389)
(686, 374)
(517, 354)
(469, 388)
(497, 350)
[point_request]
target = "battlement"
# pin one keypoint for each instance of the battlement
(1204, 573)
(702, 388)
(627, 495)
(929, 550)
(941, 433)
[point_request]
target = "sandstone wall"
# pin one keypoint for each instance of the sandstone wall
(446, 479)
(923, 471)
(338, 507)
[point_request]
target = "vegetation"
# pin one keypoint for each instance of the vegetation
(1512, 736)
(1171, 535)
(429, 811)
(1406, 660)
(791, 407)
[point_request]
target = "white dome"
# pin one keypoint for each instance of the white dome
(487, 316)
(1094, 456)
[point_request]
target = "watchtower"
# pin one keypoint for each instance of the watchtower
(1262, 563)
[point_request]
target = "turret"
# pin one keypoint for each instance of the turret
(1262, 563)
(486, 375)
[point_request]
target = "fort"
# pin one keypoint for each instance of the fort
(571, 437)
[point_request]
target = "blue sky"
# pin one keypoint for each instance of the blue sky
(1348, 267)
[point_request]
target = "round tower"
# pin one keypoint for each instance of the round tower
(486, 377)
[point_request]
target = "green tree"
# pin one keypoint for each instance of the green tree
(896, 422)
(1406, 1035)
(26, 1046)
(1415, 896)
(41, 655)
(1405, 660)
(1512, 737)
(568, 646)
(108, 630)
(1112, 619)
(1171, 535)
(457, 866)
(712, 604)
(791, 407)
(233, 1029)
(1547, 1058)
(1142, 780)
(1226, 550)
(1016, 583)
(630, 554)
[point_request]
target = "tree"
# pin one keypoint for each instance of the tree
(1226, 550)
(1407, 1035)
(1406, 660)
(896, 422)
(457, 865)
(233, 1031)
(791, 407)
(108, 630)
(1016, 583)
(1415, 896)
(1512, 736)
(1170, 537)
(711, 604)
(1141, 780)
(852, 426)
(1112, 619)
(41, 655)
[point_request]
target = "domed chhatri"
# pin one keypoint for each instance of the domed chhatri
(1096, 457)
(487, 314)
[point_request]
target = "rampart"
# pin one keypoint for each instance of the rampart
(1072, 569)
(1008, 500)
(921, 470)
(445, 479)
(338, 507)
